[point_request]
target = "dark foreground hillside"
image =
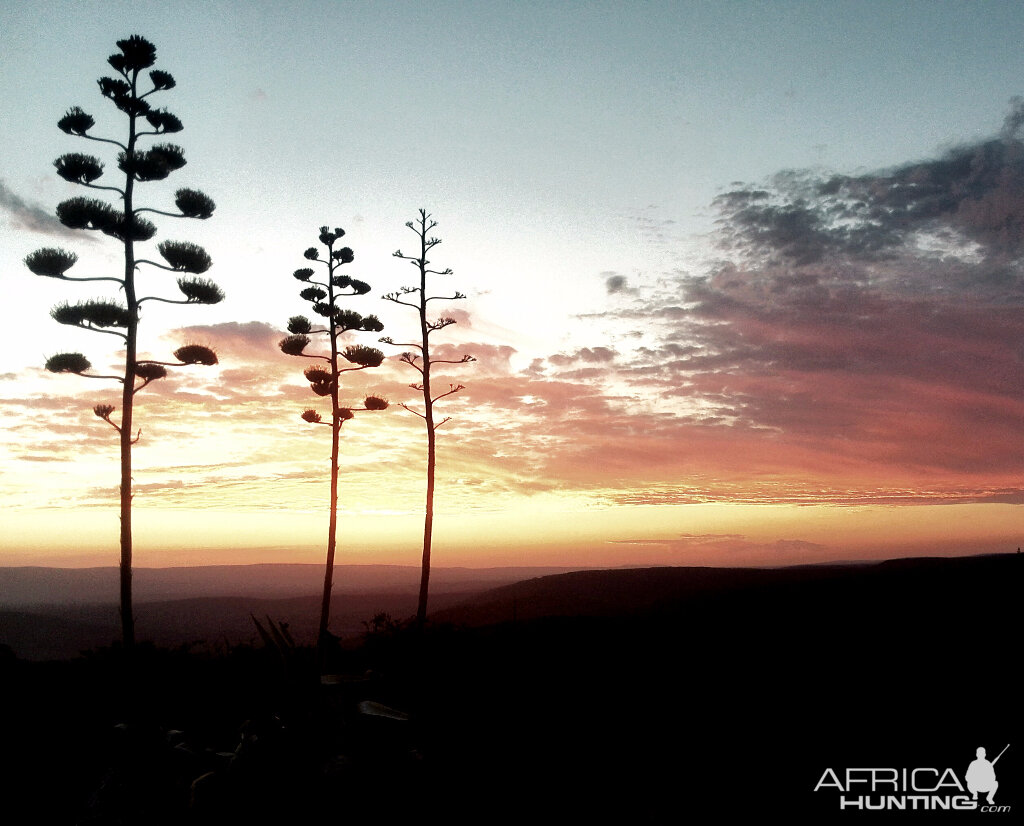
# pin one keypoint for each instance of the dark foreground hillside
(627, 697)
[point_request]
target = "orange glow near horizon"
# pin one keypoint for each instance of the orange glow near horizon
(550, 534)
(535, 469)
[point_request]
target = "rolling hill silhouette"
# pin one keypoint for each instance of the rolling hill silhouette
(622, 696)
(742, 684)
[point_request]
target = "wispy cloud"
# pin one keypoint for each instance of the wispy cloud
(860, 332)
(733, 550)
(32, 217)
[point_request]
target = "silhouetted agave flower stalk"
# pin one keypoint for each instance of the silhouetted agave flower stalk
(325, 378)
(131, 93)
(420, 359)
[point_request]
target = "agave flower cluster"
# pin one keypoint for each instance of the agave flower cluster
(323, 295)
(130, 92)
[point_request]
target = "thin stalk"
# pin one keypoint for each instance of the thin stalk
(428, 407)
(336, 422)
(127, 398)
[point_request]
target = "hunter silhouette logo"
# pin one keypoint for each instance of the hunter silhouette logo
(981, 775)
(918, 789)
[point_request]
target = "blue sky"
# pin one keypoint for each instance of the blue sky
(563, 147)
(576, 134)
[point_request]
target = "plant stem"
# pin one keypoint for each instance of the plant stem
(336, 422)
(128, 396)
(428, 407)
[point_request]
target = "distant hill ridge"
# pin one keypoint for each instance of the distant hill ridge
(865, 599)
(22, 587)
(663, 590)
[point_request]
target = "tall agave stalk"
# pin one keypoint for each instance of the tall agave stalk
(131, 94)
(417, 298)
(324, 380)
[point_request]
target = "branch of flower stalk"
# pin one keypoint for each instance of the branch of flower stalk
(363, 409)
(394, 300)
(313, 417)
(107, 188)
(160, 212)
(145, 382)
(100, 376)
(389, 340)
(444, 297)
(411, 410)
(159, 131)
(410, 359)
(454, 389)
(156, 264)
(146, 95)
(440, 324)
(100, 330)
(104, 411)
(168, 363)
(103, 140)
(167, 300)
(93, 278)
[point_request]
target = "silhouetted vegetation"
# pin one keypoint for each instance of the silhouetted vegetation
(132, 95)
(709, 693)
(325, 380)
(421, 360)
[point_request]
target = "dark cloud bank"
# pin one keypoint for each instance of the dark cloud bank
(880, 316)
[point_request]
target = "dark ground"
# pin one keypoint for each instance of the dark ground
(631, 697)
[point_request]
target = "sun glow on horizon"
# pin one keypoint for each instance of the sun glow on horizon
(534, 533)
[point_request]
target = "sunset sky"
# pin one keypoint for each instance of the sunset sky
(745, 280)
